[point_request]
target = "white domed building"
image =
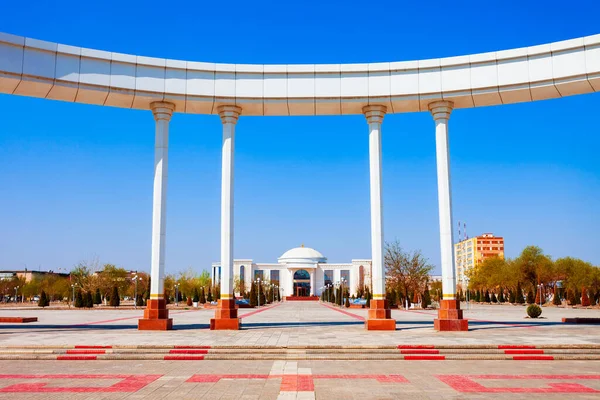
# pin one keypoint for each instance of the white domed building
(301, 271)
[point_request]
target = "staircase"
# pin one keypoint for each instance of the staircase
(407, 352)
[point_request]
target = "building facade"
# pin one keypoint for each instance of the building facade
(301, 271)
(472, 251)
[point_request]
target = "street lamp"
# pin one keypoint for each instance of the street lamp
(136, 278)
(73, 286)
(177, 294)
(257, 281)
(328, 286)
(273, 290)
(540, 287)
(16, 293)
(343, 280)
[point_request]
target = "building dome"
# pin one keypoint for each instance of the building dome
(302, 254)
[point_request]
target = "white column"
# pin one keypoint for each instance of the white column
(312, 282)
(229, 116)
(375, 116)
(440, 110)
(162, 115)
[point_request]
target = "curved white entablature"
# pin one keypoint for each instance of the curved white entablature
(31, 67)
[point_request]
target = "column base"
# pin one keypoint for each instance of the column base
(156, 317)
(380, 317)
(450, 317)
(226, 317)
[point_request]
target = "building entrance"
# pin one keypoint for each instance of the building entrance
(301, 283)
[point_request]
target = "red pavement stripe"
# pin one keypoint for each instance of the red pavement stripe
(533, 358)
(416, 346)
(191, 347)
(76, 358)
(525, 351)
(515, 346)
(86, 351)
(183, 358)
(421, 358)
(92, 347)
(258, 311)
(417, 351)
(355, 316)
(188, 351)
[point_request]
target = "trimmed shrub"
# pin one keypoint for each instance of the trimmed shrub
(347, 304)
(487, 296)
(202, 296)
(209, 298)
(196, 298)
(115, 299)
(139, 301)
(534, 311)
(253, 299)
(501, 297)
(493, 298)
(530, 297)
(512, 297)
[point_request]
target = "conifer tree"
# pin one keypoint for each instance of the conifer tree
(196, 298)
(202, 296)
(487, 296)
(585, 300)
(556, 298)
(530, 297)
(209, 298)
(79, 299)
(43, 300)
(115, 299)
(426, 299)
(253, 299)
(97, 297)
(501, 296)
(519, 294)
(89, 300)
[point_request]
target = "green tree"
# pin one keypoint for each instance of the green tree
(115, 299)
(209, 298)
(196, 298)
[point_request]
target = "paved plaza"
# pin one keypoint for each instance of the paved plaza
(298, 324)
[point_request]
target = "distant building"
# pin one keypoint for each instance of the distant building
(27, 275)
(471, 252)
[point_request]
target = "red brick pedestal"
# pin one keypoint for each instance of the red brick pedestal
(156, 317)
(450, 317)
(226, 316)
(380, 317)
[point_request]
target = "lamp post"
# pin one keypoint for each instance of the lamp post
(328, 292)
(466, 285)
(73, 286)
(177, 294)
(540, 287)
(136, 278)
(273, 290)
(257, 281)
(16, 293)
(342, 281)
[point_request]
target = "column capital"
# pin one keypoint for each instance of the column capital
(162, 110)
(374, 113)
(229, 113)
(441, 109)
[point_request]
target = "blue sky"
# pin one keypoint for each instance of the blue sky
(76, 180)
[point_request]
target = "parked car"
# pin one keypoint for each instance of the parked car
(36, 298)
